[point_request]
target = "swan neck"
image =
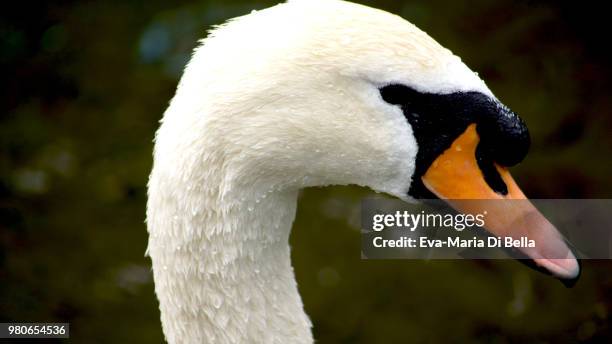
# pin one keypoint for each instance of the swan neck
(222, 266)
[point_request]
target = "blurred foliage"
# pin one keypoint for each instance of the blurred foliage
(85, 83)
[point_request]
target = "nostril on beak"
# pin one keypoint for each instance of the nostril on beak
(489, 172)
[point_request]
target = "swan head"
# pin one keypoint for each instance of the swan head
(321, 92)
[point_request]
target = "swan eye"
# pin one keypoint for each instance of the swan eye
(398, 94)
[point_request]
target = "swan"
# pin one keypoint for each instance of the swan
(309, 93)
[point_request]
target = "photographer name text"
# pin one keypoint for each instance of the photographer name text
(425, 242)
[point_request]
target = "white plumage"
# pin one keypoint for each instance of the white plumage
(277, 100)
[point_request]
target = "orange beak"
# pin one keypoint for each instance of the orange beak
(455, 176)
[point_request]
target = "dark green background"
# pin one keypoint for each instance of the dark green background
(85, 83)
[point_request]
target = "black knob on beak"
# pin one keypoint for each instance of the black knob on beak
(503, 135)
